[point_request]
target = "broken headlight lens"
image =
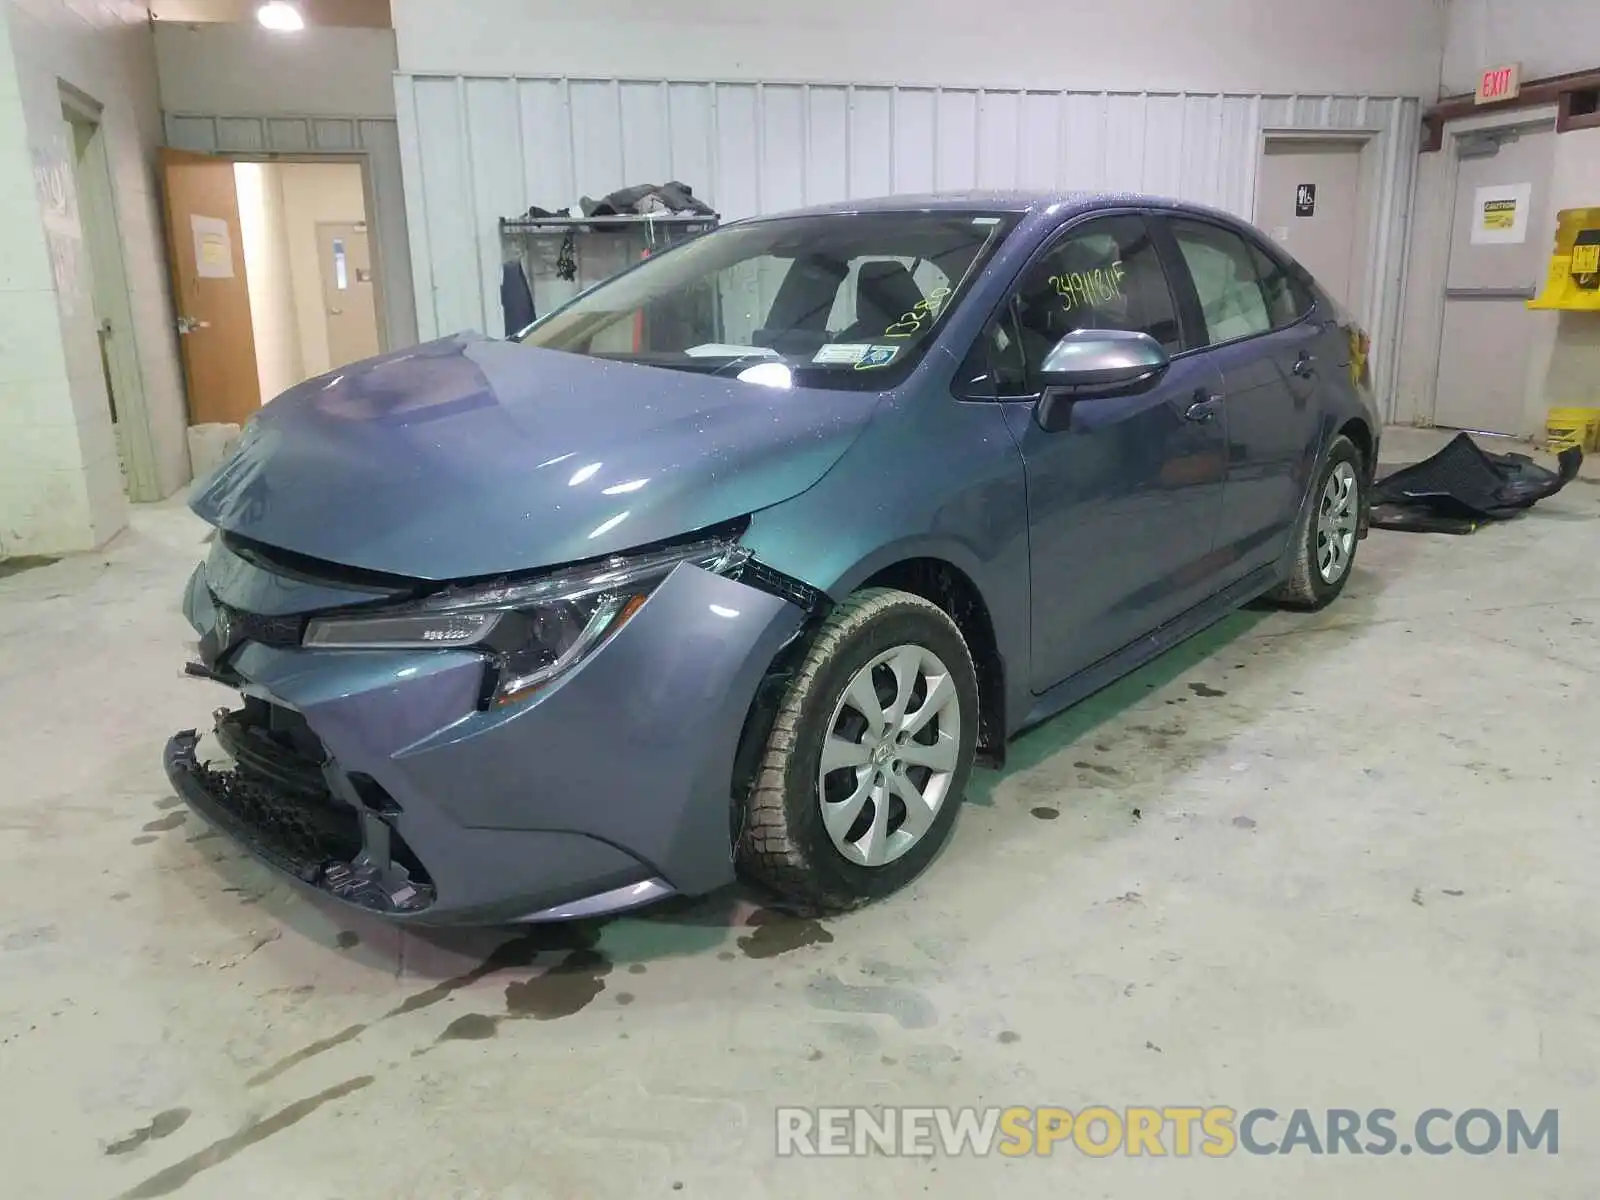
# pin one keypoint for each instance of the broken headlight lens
(531, 631)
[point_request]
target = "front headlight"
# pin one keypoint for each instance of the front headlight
(531, 631)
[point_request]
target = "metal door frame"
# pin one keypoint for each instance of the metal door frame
(1371, 307)
(357, 158)
(126, 358)
(1371, 169)
(1534, 119)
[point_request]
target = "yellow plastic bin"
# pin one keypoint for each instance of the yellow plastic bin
(1568, 427)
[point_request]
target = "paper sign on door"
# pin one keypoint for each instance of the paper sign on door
(1500, 214)
(213, 247)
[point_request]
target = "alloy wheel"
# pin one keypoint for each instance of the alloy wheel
(890, 755)
(1336, 523)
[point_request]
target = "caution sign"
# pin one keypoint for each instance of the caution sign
(1499, 214)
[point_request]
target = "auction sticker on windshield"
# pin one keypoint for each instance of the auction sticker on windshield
(854, 353)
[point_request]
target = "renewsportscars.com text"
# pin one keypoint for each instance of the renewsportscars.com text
(1168, 1131)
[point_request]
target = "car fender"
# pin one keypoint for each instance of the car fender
(931, 478)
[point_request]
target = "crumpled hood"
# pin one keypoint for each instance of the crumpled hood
(467, 457)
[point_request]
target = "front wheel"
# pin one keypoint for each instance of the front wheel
(1329, 531)
(868, 756)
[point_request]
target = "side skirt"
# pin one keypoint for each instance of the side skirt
(1134, 655)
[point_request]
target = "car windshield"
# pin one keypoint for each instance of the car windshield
(837, 300)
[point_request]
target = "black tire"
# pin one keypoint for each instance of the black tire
(784, 845)
(1304, 588)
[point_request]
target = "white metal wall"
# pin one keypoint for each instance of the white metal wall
(476, 148)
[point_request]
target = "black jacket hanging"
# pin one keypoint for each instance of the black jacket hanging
(516, 299)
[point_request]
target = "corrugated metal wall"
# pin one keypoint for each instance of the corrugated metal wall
(378, 140)
(478, 148)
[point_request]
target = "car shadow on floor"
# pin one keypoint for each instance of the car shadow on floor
(1054, 735)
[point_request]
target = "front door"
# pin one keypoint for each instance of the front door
(1497, 258)
(1123, 504)
(347, 296)
(208, 283)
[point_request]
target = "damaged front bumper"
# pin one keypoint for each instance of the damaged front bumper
(378, 779)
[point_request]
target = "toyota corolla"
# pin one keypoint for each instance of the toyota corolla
(738, 562)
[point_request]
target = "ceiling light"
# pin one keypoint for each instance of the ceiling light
(280, 17)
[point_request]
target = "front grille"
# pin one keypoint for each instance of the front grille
(281, 633)
(276, 800)
(302, 833)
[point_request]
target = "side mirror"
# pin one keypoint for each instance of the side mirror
(1095, 362)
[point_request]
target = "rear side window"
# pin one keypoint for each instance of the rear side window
(1223, 267)
(1287, 297)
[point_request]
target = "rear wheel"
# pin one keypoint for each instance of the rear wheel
(1329, 532)
(868, 757)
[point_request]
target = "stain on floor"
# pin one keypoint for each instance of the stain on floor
(347, 1034)
(1098, 769)
(473, 1027)
(910, 1008)
(165, 1182)
(778, 933)
(163, 1124)
(23, 562)
(518, 952)
(562, 990)
(1206, 690)
(162, 824)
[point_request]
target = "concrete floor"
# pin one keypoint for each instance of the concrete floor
(1304, 861)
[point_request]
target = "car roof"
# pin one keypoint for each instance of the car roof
(1057, 203)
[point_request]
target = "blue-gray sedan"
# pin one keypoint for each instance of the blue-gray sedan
(737, 562)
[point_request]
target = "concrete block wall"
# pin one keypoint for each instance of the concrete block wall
(61, 482)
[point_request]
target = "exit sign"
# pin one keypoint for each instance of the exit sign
(1500, 83)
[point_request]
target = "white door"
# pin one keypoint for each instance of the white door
(1497, 257)
(1309, 200)
(347, 293)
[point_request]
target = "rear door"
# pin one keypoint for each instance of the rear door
(1122, 505)
(1254, 316)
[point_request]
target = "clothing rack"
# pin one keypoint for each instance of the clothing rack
(677, 222)
(562, 256)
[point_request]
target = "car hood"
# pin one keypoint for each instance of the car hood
(469, 457)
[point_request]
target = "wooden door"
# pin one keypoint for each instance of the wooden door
(209, 288)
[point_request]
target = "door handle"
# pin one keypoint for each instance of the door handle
(190, 324)
(1306, 365)
(1203, 409)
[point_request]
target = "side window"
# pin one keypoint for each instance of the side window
(1287, 298)
(994, 367)
(1103, 275)
(1224, 273)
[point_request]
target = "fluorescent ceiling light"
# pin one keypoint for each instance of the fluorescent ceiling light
(284, 18)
